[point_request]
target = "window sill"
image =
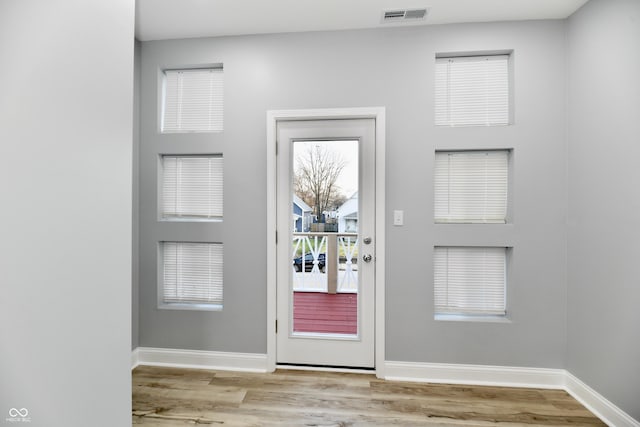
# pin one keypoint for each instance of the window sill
(482, 222)
(470, 318)
(188, 131)
(189, 219)
(472, 125)
(191, 307)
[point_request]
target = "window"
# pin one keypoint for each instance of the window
(470, 280)
(471, 186)
(472, 91)
(192, 187)
(193, 100)
(192, 275)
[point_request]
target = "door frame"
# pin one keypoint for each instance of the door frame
(273, 117)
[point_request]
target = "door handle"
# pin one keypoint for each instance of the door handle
(367, 258)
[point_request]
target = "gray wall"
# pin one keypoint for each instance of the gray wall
(135, 238)
(604, 237)
(391, 68)
(65, 189)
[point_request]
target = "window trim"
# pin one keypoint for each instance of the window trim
(479, 317)
(509, 194)
(160, 187)
(162, 97)
(161, 304)
(509, 53)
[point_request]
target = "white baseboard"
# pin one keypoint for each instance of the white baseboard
(596, 403)
(475, 374)
(222, 361)
(134, 358)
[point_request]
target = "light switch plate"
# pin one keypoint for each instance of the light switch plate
(398, 217)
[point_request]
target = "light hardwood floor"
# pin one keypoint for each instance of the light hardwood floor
(180, 397)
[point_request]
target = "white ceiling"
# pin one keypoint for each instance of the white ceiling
(173, 19)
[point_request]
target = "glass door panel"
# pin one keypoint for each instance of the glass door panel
(325, 244)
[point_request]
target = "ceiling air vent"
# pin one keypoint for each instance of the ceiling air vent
(403, 15)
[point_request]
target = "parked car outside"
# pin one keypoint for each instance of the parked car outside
(308, 262)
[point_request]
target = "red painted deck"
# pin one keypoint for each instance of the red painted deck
(325, 313)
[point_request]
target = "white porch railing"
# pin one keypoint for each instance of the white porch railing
(325, 262)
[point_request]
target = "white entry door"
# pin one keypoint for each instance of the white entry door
(326, 243)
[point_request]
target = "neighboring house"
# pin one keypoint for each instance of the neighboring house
(348, 215)
(301, 215)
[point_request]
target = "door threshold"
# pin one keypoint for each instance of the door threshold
(325, 368)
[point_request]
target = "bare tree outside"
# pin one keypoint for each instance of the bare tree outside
(316, 173)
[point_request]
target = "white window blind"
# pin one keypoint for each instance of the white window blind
(193, 100)
(469, 280)
(472, 91)
(192, 187)
(192, 273)
(471, 186)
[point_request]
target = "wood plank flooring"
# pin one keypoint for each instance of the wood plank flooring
(183, 397)
(325, 313)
